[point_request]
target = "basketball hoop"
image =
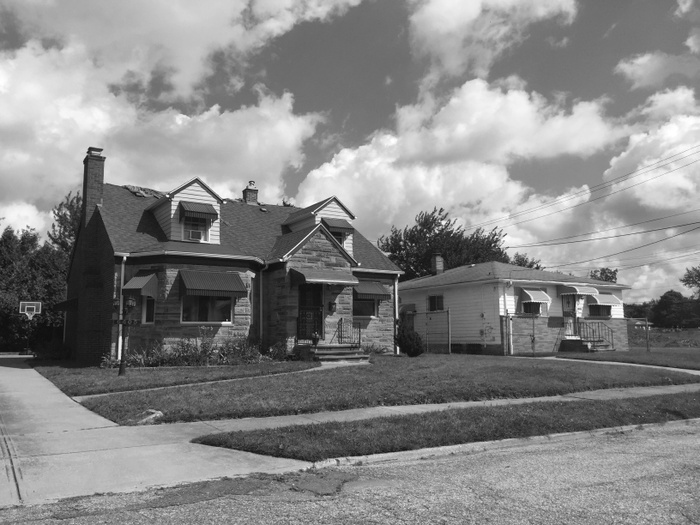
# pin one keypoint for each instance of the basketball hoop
(30, 308)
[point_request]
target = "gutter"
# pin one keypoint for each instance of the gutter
(191, 254)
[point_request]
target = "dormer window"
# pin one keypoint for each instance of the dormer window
(197, 219)
(196, 229)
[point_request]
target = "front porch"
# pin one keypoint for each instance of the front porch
(342, 342)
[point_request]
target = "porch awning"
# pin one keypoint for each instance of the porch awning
(198, 210)
(371, 290)
(212, 284)
(604, 299)
(535, 296)
(337, 224)
(577, 290)
(142, 284)
(314, 276)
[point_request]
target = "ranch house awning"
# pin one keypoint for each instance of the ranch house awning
(212, 284)
(142, 284)
(577, 290)
(198, 210)
(535, 296)
(336, 276)
(371, 290)
(605, 299)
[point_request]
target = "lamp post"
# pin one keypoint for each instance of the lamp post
(129, 305)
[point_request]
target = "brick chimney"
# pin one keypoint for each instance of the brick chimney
(250, 193)
(437, 265)
(93, 182)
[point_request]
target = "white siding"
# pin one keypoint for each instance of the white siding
(194, 193)
(474, 315)
(332, 211)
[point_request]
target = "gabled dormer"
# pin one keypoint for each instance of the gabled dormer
(334, 215)
(191, 213)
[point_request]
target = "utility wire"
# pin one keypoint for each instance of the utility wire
(625, 251)
(606, 230)
(545, 243)
(633, 174)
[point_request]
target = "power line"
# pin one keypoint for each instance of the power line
(625, 251)
(633, 174)
(546, 243)
(607, 229)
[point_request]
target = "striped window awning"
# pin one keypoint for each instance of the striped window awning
(577, 290)
(371, 290)
(336, 276)
(535, 296)
(212, 284)
(143, 283)
(605, 299)
(198, 210)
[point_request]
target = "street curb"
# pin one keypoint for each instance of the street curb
(483, 446)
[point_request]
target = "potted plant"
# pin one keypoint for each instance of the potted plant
(314, 338)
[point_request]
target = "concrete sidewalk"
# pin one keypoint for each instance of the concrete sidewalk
(54, 448)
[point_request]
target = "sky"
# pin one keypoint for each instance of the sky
(573, 126)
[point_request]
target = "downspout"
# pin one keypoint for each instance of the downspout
(396, 311)
(260, 299)
(120, 337)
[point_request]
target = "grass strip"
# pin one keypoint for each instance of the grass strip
(82, 381)
(316, 442)
(387, 381)
(688, 358)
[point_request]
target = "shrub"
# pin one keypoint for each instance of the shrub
(409, 341)
(238, 350)
(278, 351)
(374, 348)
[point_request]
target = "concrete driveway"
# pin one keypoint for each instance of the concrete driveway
(52, 447)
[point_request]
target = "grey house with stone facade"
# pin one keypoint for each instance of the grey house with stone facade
(159, 265)
(498, 308)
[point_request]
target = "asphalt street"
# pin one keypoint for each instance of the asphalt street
(647, 475)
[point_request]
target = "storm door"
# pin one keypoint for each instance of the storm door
(310, 311)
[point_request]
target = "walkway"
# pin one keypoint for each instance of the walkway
(53, 448)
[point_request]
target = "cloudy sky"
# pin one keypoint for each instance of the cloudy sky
(559, 121)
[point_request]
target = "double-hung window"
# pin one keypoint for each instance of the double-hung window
(435, 303)
(206, 309)
(196, 229)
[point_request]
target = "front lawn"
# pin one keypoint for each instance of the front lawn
(387, 381)
(81, 381)
(452, 427)
(671, 357)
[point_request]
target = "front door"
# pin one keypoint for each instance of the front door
(568, 306)
(310, 311)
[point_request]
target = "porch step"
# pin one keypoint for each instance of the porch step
(331, 352)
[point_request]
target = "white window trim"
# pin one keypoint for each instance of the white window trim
(207, 230)
(206, 323)
(427, 306)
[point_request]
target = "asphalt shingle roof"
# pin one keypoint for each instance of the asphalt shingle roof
(491, 271)
(246, 230)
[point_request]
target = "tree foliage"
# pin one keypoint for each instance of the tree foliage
(435, 232)
(691, 279)
(674, 310)
(66, 216)
(30, 271)
(604, 274)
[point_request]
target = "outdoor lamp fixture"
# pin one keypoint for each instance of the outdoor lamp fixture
(331, 306)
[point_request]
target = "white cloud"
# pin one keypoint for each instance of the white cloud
(21, 215)
(462, 36)
(666, 104)
(52, 108)
(498, 125)
(139, 38)
(654, 69)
